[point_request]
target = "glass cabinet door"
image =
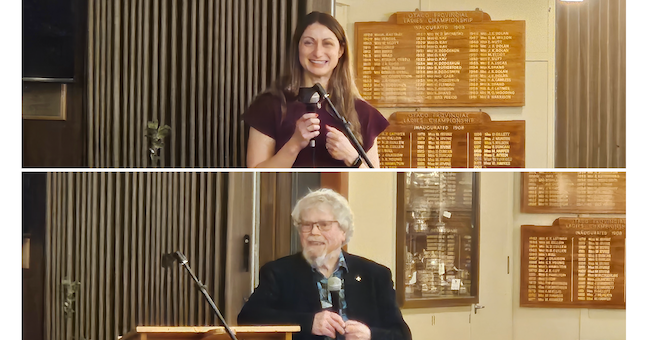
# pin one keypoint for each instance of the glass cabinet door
(437, 239)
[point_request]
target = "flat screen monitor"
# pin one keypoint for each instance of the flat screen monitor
(48, 28)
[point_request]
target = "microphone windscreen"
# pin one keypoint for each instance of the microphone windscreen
(320, 89)
(167, 260)
(315, 98)
(333, 284)
(306, 94)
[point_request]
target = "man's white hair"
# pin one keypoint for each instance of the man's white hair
(330, 201)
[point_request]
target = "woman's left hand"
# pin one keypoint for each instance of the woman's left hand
(339, 147)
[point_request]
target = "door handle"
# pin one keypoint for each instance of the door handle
(477, 307)
(247, 252)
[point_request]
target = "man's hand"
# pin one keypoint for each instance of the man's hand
(355, 330)
(328, 323)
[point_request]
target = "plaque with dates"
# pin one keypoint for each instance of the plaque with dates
(573, 192)
(453, 58)
(44, 101)
(575, 263)
(451, 140)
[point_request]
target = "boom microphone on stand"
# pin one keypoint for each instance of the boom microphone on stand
(168, 260)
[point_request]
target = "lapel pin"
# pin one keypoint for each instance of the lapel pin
(358, 278)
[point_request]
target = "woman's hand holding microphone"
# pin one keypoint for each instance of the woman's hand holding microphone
(307, 128)
(337, 144)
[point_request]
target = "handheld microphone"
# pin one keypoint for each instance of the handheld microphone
(310, 97)
(334, 287)
(314, 103)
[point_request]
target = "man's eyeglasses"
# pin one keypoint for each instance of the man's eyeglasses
(306, 227)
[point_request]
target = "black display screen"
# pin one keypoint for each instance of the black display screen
(48, 38)
(34, 201)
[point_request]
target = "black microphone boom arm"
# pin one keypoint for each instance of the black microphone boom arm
(183, 261)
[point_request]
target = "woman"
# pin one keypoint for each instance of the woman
(280, 126)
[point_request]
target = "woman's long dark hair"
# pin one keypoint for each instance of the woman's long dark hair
(341, 86)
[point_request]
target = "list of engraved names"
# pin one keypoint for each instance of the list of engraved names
(580, 262)
(450, 140)
(574, 191)
(441, 64)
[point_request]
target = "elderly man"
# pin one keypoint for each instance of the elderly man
(293, 290)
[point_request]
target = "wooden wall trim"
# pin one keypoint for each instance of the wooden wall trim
(275, 216)
(241, 194)
(337, 181)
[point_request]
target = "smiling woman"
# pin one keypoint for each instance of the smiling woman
(319, 54)
(281, 127)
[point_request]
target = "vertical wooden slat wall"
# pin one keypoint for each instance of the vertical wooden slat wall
(192, 64)
(590, 62)
(108, 231)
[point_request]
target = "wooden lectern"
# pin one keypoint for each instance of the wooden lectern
(211, 333)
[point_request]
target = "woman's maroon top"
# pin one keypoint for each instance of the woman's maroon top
(265, 115)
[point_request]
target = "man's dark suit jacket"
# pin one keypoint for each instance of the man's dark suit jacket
(287, 295)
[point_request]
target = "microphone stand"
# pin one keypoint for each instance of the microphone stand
(346, 125)
(183, 261)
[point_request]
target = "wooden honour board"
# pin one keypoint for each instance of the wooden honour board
(451, 140)
(575, 263)
(573, 192)
(452, 58)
